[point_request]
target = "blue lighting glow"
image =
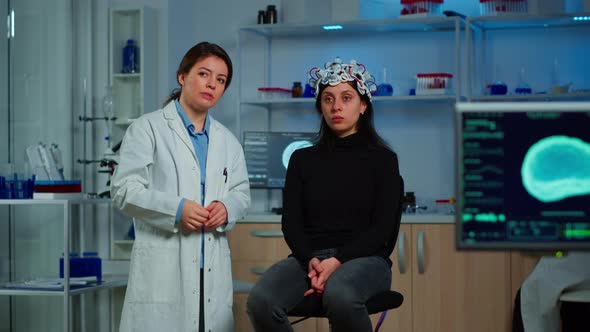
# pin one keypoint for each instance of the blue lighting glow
(332, 27)
(581, 18)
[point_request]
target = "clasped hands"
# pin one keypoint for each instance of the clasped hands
(319, 272)
(194, 215)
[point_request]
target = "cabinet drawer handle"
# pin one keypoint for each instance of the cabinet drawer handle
(258, 270)
(420, 247)
(273, 233)
(401, 252)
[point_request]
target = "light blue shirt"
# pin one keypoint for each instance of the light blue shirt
(201, 145)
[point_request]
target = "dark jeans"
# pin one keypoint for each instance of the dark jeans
(282, 286)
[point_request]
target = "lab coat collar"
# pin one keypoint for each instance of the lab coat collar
(187, 123)
(175, 123)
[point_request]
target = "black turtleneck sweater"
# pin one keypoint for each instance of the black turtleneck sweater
(346, 197)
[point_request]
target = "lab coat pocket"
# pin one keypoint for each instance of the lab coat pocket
(154, 273)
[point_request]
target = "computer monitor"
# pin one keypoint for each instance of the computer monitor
(267, 155)
(523, 172)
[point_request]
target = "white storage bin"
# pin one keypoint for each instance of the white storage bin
(540, 7)
(433, 84)
(420, 8)
(502, 7)
(327, 11)
(272, 93)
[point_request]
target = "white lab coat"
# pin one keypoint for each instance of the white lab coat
(540, 292)
(158, 167)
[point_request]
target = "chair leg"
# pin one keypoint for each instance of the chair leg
(380, 321)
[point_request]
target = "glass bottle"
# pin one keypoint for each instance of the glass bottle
(522, 87)
(261, 17)
(107, 109)
(296, 90)
(271, 14)
(130, 57)
(384, 89)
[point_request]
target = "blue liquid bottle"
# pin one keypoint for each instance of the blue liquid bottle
(130, 57)
(384, 88)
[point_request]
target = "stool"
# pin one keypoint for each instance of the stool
(311, 306)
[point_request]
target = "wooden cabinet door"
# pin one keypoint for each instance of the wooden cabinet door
(400, 319)
(457, 291)
(255, 247)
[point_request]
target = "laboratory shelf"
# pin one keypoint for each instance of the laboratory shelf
(106, 284)
(72, 201)
(417, 218)
(123, 242)
(521, 21)
(127, 76)
(353, 27)
(486, 35)
(376, 100)
(67, 290)
(535, 97)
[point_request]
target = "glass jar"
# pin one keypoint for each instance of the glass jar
(297, 90)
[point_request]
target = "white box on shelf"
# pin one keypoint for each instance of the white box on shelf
(306, 11)
(540, 7)
(352, 10)
(327, 11)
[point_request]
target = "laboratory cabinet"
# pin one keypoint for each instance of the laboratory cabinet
(446, 289)
(34, 255)
(133, 88)
(443, 287)
(514, 50)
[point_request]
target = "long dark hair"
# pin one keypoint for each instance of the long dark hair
(365, 125)
(196, 53)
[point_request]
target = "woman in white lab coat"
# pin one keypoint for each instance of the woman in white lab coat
(182, 177)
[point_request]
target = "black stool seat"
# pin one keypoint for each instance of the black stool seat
(311, 306)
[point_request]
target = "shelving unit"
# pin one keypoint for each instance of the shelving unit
(484, 35)
(133, 93)
(261, 40)
(109, 282)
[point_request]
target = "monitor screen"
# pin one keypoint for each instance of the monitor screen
(268, 153)
(523, 175)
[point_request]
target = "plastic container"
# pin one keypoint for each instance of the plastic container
(308, 92)
(15, 185)
(130, 57)
(445, 206)
(433, 83)
(265, 93)
(89, 265)
(501, 7)
(419, 8)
